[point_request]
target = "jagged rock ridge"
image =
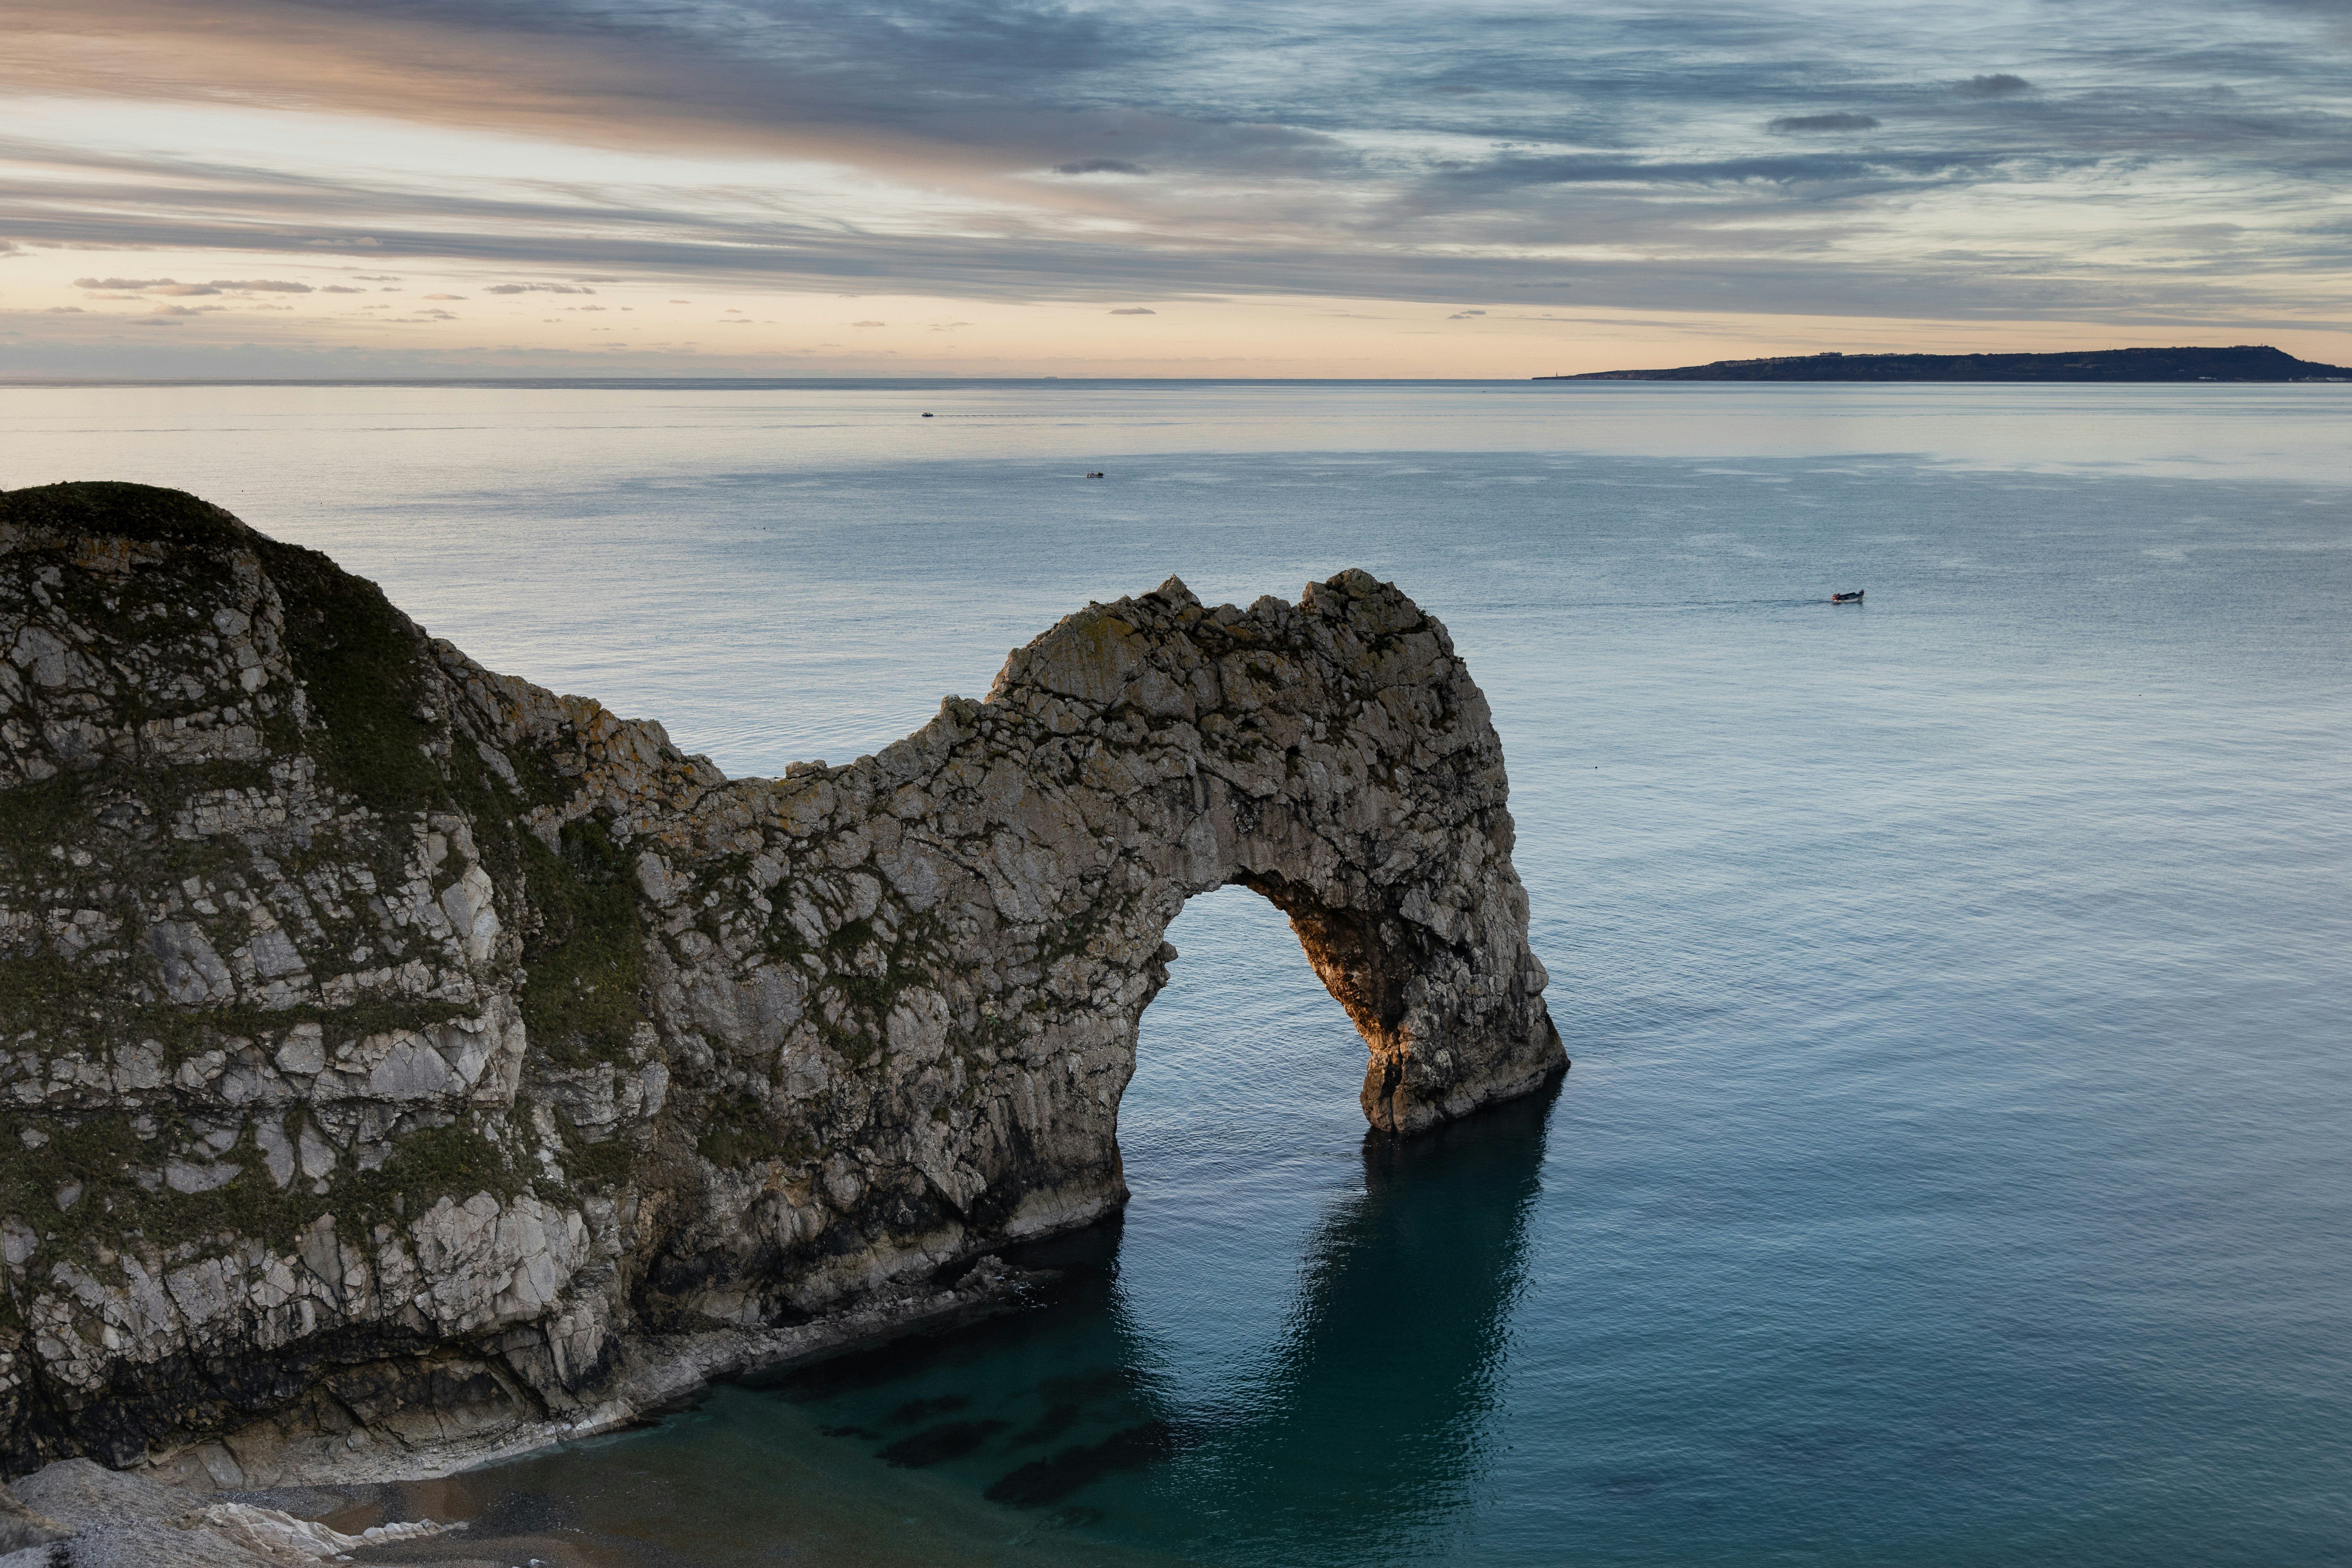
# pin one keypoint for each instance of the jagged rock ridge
(389, 1048)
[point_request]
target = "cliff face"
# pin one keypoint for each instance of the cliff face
(389, 1047)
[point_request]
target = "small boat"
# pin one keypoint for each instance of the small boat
(927, 416)
(1095, 474)
(1853, 598)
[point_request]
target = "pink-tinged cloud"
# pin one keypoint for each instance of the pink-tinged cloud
(1652, 159)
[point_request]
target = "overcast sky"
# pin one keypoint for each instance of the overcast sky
(1271, 188)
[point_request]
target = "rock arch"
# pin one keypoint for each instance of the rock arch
(378, 1025)
(1028, 852)
(1336, 758)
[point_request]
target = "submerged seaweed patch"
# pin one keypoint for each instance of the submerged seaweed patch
(1057, 1419)
(934, 1445)
(921, 1409)
(1049, 1480)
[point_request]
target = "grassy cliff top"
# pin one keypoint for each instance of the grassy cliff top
(147, 514)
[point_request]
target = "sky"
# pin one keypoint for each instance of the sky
(340, 188)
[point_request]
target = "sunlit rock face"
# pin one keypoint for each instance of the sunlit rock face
(388, 1046)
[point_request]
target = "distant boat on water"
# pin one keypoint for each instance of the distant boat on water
(1853, 598)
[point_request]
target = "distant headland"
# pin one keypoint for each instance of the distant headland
(2245, 363)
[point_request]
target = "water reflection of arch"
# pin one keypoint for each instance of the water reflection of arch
(1371, 1425)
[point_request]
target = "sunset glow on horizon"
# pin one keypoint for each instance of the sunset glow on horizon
(552, 187)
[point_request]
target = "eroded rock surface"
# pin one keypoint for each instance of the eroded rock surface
(389, 1048)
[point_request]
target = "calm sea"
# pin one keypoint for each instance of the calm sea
(1953, 1170)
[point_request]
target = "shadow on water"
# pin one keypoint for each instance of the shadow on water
(1366, 1427)
(1372, 1423)
(1368, 1423)
(1056, 1434)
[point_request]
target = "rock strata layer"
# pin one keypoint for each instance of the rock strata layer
(391, 1049)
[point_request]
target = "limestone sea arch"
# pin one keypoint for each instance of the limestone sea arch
(381, 1036)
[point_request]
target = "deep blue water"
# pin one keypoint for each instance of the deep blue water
(1953, 1166)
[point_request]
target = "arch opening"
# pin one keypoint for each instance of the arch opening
(1367, 975)
(1242, 1036)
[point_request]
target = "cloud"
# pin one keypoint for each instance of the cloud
(1641, 155)
(535, 289)
(1789, 122)
(340, 288)
(1464, 315)
(869, 323)
(153, 321)
(67, 311)
(445, 296)
(176, 290)
(1134, 310)
(1810, 169)
(10, 247)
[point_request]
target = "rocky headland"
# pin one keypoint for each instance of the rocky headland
(2246, 363)
(402, 1064)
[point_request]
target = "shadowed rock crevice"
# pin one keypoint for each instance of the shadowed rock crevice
(370, 1019)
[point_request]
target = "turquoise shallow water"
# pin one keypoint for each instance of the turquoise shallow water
(1952, 1170)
